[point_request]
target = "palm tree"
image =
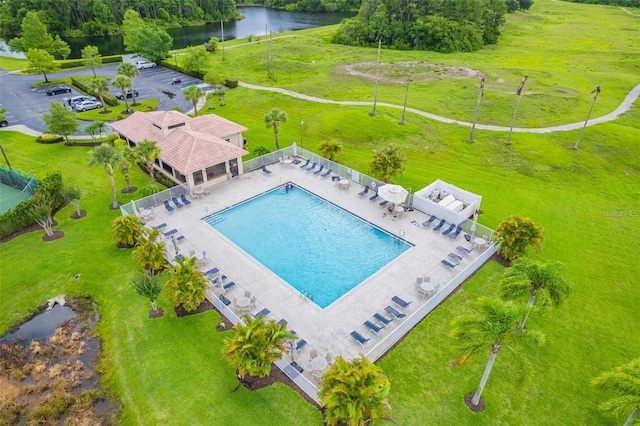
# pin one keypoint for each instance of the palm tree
(354, 392)
(108, 156)
(492, 328)
(273, 119)
(150, 253)
(255, 344)
(539, 280)
(129, 70)
(187, 284)
(123, 83)
(99, 86)
(149, 286)
(625, 381)
(73, 194)
(146, 152)
(515, 234)
(41, 211)
(127, 159)
(97, 126)
(193, 94)
(127, 230)
(329, 149)
(387, 162)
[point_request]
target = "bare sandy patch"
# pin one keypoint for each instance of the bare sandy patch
(396, 72)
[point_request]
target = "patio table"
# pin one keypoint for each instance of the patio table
(319, 363)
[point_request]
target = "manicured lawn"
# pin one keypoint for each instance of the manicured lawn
(170, 370)
(117, 112)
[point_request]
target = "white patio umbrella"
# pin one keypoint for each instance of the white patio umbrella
(475, 219)
(393, 193)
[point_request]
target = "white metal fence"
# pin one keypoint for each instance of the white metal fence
(155, 199)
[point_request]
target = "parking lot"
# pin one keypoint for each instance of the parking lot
(25, 104)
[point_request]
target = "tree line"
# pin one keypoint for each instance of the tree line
(104, 17)
(440, 25)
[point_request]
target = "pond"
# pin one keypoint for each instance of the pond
(257, 21)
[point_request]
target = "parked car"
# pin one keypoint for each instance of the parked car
(4, 123)
(87, 105)
(56, 90)
(72, 101)
(145, 64)
(130, 94)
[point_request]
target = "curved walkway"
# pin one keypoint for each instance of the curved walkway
(624, 107)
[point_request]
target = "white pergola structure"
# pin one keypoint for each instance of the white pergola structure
(200, 151)
(447, 201)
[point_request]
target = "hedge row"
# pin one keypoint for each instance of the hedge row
(82, 83)
(19, 218)
(80, 62)
(49, 139)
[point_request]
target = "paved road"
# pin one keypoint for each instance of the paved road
(25, 105)
(624, 106)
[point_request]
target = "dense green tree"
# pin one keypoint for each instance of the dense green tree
(330, 148)
(91, 58)
(494, 326)
(132, 24)
(196, 59)
(60, 121)
(149, 286)
(154, 44)
(187, 284)
(41, 62)
(99, 86)
(150, 252)
(146, 152)
(123, 83)
(539, 280)
(625, 381)
(387, 163)
(34, 35)
(516, 234)
(131, 71)
(273, 119)
(107, 156)
(214, 79)
(212, 44)
(127, 230)
(354, 392)
(193, 94)
(255, 344)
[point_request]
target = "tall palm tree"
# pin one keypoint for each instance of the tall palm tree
(625, 381)
(354, 392)
(273, 119)
(149, 286)
(127, 158)
(329, 149)
(99, 86)
(387, 162)
(127, 230)
(146, 152)
(540, 280)
(123, 83)
(150, 253)
(515, 234)
(187, 284)
(254, 345)
(108, 157)
(97, 126)
(193, 94)
(131, 71)
(492, 328)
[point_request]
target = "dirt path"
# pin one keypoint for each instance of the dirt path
(624, 107)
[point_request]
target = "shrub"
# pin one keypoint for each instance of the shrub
(231, 84)
(49, 139)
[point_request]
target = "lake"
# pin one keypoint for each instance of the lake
(258, 21)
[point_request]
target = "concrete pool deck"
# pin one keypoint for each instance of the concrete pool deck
(326, 330)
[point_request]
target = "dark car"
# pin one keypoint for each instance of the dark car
(56, 90)
(4, 123)
(130, 94)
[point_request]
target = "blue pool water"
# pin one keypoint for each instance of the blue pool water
(315, 246)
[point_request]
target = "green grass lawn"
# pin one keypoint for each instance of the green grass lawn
(170, 370)
(117, 112)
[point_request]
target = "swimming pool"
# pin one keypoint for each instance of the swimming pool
(315, 246)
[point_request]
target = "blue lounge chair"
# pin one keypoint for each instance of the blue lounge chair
(427, 223)
(359, 338)
(177, 203)
(463, 250)
(439, 226)
(454, 235)
(317, 172)
(265, 171)
(262, 313)
(168, 206)
(364, 191)
(300, 344)
(311, 167)
(455, 257)
(400, 302)
(327, 173)
(180, 239)
(224, 300)
(305, 164)
(371, 326)
(228, 285)
(383, 320)
(170, 233)
(184, 200)
(374, 197)
(449, 229)
(394, 312)
(282, 322)
(383, 203)
(162, 225)
(448, 264)
(211, 271)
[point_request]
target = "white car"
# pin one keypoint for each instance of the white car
(87, 105)
(145, 64)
